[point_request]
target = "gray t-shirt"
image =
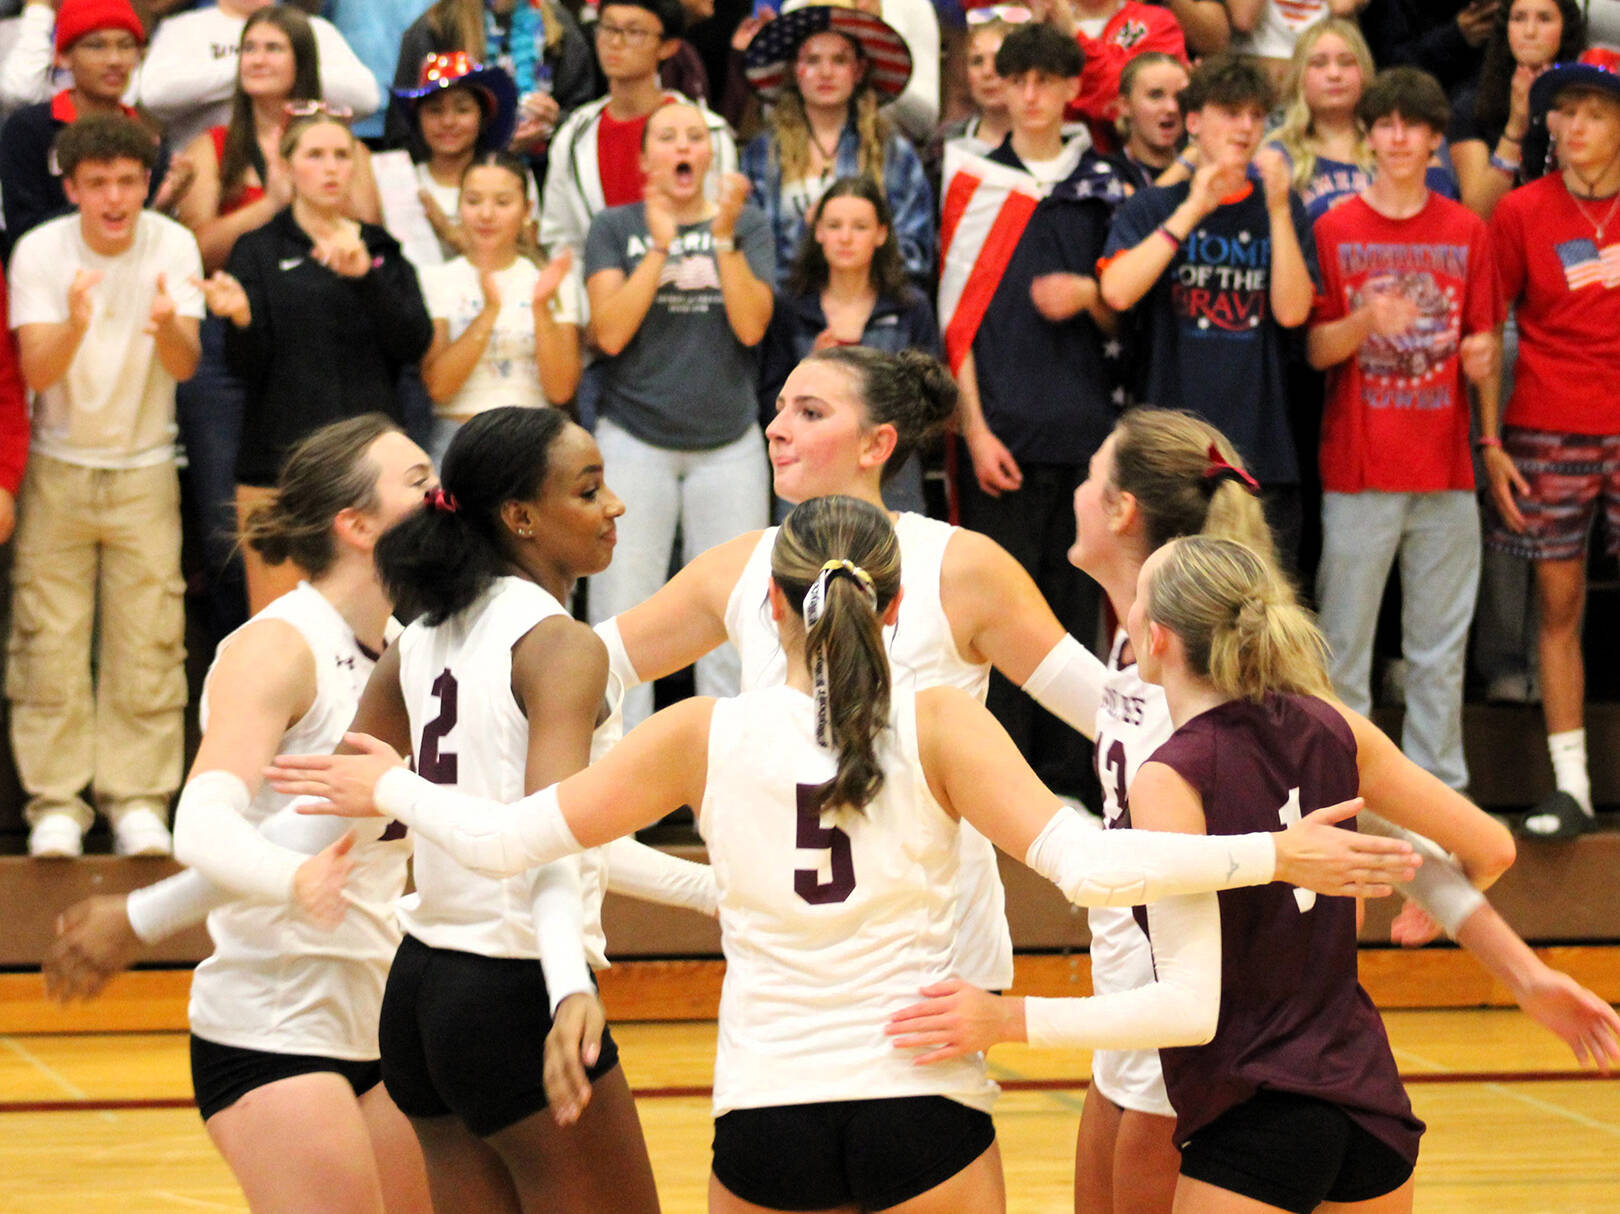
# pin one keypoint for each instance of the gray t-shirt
(684, 382)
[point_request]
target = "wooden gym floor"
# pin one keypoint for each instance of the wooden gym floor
(93, 1122)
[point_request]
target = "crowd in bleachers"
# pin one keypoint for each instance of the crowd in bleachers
(1368, 239)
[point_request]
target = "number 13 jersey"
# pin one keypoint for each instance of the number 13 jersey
(830, 923)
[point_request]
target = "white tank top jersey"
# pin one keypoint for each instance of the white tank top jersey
(922, 653)
(828, 925)
(275, 981)
(1133, 721)
(469, 732)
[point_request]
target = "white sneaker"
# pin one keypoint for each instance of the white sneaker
(56, 836)
(140, 832)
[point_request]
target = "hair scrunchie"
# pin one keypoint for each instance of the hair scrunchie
(815, 601)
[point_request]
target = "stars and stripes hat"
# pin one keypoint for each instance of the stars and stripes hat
(496, 92)
(1597, 68)
(768, 62)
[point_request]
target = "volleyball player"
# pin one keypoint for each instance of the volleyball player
(497, 691)
(283, 1013)
(833, 760)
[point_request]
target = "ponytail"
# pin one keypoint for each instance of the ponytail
(837, 561)
(1238, 619)
(441, 560)
(324, 474)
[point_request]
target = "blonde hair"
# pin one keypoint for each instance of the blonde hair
(1238, 619)
(790, 128)
(1297, 134)
(461, 24)
(848, 635)
(1161, 458)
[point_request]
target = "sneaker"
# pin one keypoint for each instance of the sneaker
(140, 832)
(56, 836)
(1560, 816)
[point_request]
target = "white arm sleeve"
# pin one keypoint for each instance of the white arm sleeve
(1131, 867)
(559, 927)
(618, 656)
(166, 908)
(643, 872)
(1182, 1007)
(26, 76)
(213, 836)
(1069, 684)
(1440, 887)
(485, 836)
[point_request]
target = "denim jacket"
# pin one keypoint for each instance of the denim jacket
(904, 183)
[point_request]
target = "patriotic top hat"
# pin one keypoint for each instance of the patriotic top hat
(1597, 68)
(496, 92)
(768, 61)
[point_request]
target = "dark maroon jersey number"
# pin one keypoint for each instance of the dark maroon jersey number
(431, 763)
(807, 882)
(1114, 760)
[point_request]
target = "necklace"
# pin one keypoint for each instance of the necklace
(829, 160)
(1608, 215)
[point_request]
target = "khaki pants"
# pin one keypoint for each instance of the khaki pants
(89, 540)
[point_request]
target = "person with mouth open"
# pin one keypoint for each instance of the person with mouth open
(680, 296)
(106, 313)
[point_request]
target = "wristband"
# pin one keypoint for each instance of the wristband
(658, 248)
(1175, 241)
(1511, 139)
(724, 244)
(1186, 164)
(1486, 440)
(1501, 165)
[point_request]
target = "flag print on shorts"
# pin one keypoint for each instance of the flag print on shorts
(1584, 264)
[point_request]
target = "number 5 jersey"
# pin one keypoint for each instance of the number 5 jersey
(830, 922)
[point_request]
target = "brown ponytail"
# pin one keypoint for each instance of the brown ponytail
(1237, 617)
(857, 539)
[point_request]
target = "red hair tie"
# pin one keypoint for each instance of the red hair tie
(438, 499)
(1220, 470)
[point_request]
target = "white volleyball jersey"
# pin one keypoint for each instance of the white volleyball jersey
(829, 924)
(276, 981)
(1133, 721)
(469, 732)
(922, 653)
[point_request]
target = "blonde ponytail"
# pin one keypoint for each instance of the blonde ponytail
(1238, 619)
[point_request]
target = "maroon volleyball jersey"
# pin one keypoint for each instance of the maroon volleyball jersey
(1293, 1015)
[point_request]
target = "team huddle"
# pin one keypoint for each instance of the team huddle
(353, 1048)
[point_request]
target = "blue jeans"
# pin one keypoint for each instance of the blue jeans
(1437, 537)
(714, 495)
(208, 410)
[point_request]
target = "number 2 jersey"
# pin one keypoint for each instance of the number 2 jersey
(1293, 1015)
(469, 732)
(276, 981)
(922, 653)
(830, 923)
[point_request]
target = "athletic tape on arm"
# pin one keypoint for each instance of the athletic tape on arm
(1129, 867)
(1440, 887)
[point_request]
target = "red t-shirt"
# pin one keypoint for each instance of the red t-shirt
(1134, 30)
(1396, 417)
(1565, 291)
(618, 158)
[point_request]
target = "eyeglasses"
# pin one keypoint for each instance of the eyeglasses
(627, 34)
(308, 109)
(1008, 14)
(103, 45)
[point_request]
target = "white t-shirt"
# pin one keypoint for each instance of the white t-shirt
(189, 76)
(115, 406)
(507, 373)
(1279, 27)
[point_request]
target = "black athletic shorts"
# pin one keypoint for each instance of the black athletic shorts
(870, 1153)
(223, 1074)
(1293, 1151)
(466, 1034)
